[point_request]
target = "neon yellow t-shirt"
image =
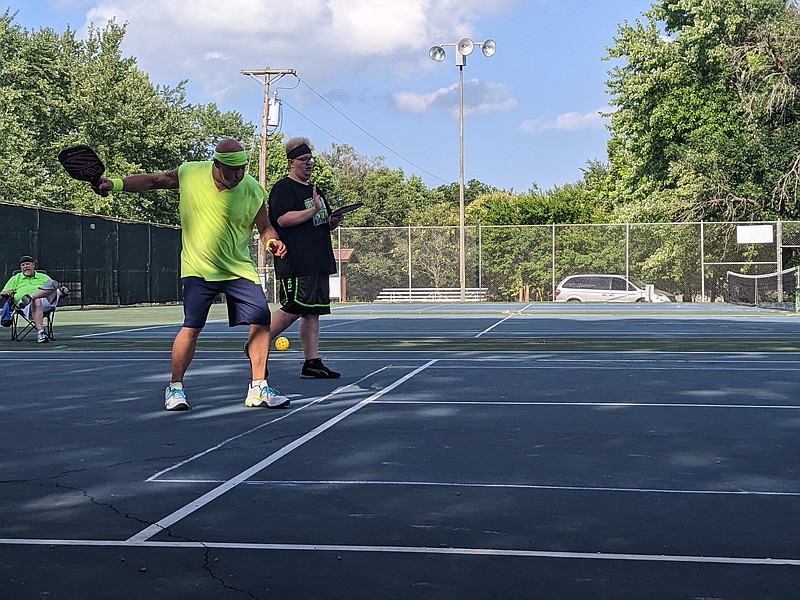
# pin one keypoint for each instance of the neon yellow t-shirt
(26, 285)
(216, 227)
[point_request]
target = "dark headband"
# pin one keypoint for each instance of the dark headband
(299, 151)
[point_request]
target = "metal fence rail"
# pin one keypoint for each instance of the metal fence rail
(109, 261)
(526, 263)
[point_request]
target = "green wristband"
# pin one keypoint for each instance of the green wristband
(117, 185)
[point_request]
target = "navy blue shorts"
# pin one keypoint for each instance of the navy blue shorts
(306, 295)
(247, 304)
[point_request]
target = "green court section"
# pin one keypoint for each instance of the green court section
(486, 327)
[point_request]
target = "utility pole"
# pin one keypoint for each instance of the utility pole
(265, 77)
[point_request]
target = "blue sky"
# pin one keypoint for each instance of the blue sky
(364, 77)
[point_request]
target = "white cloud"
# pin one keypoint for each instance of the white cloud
(420, 103)
(320, 39)
(571, 121)
(479, 99)
(215, 56)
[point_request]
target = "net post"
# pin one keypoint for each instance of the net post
(797, 290)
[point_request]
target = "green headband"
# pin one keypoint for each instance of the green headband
(232, 159)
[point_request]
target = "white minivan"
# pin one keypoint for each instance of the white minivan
(606, 288)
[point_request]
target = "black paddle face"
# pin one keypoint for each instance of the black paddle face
(347, 209)
(83, 164)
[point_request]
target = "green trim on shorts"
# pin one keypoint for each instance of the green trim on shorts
(294, 283)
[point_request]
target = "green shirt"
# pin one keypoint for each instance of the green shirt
(26, 285)
(217, 226)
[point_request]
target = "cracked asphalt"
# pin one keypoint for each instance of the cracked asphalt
(456, 467)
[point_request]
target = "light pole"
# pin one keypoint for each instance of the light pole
(463, 49)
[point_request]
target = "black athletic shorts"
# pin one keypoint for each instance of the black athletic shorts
(306, 295)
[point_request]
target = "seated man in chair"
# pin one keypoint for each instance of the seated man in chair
(35, 293)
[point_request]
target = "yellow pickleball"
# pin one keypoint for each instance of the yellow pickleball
(282, 343)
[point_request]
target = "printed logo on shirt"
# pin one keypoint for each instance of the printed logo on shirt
(321, 217)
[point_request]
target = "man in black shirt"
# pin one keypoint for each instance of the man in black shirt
(301, 218)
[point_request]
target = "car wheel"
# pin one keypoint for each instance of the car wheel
(574, 300)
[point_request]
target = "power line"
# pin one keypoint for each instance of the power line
(401, 157)
(328, 133)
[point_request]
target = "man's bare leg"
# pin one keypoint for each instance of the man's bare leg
(280, 321)
(183, 349)
(36, 311)
(309, 336)
(261, 394)
(258, 349)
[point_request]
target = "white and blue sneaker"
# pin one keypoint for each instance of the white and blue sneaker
(175, 397)
(263, 396)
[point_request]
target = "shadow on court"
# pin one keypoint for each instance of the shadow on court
(481, 473)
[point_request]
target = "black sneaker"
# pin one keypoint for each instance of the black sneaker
(314, 369)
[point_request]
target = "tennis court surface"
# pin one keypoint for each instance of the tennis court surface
(468, 451)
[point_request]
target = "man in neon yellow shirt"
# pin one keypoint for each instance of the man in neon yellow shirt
(35, 292)
(219, 205)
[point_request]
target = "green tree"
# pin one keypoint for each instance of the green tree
(473, 189)
(58, 91)
(695, 130)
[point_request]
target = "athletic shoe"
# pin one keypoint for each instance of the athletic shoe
(314, 369)
(41, 337)
(264, 396)
(175, 399)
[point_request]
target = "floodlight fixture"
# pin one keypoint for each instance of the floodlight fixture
(466, 46)
(489, 47)
(436, 53)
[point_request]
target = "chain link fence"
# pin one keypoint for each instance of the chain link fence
(526, 263)
(109, 261)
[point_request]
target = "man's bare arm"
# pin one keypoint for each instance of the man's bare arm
(269, 237)
(144, 182)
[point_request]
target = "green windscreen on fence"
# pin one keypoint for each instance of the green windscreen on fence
(101, 260)
(165, 264)
(134, 262)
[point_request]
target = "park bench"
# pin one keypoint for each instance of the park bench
(431, 295)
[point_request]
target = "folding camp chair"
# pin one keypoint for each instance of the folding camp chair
(21, 325)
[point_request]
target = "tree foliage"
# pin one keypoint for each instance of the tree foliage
(706, 126)
(58, 91)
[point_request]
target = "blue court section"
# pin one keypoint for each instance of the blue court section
(520, 321)
(574, 475)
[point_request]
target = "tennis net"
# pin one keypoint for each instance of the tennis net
(771, 290)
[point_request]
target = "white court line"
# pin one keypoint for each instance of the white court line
(490, 362)
(488, 329)
(593, 404)
(200, 502)
(88, 335)
(275, 420)
(417, 310)
(667, 364)
(332, 325)
(663, 558)
(513, 486)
